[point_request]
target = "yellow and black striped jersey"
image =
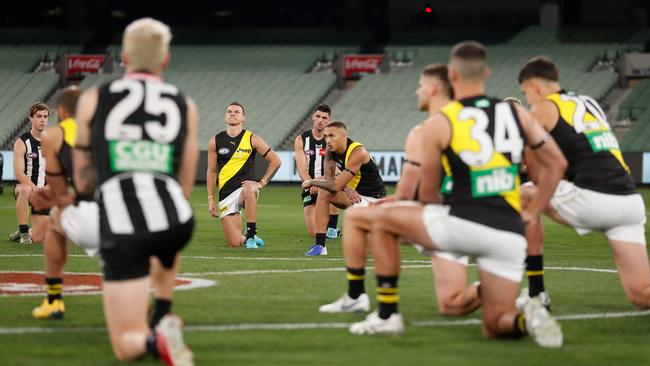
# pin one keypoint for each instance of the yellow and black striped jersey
(235, 157)
(69, 128)
(482, 159)
(589, 145)
(367, 181)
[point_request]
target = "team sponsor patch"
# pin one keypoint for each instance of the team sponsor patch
(224, 151)
(493, 182)
(31, 155)
(309, 152)
(602, 141)
(447, 185)
(33, 284)
(322, 152)
(141, 156)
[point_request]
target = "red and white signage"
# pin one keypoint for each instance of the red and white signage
(355, 64)
(83, 64)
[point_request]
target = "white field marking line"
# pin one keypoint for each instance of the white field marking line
(273, 271)
(334, 269)
(307, 326)
(297, 259)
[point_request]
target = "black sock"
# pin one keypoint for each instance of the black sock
(320, 239)
(355, 282)
(535, 273)
(334, 220)
(24, 229)
(519, 327)
(251, 230)
(54, 288)
(152, 349)
(161, 308)
(387, 295)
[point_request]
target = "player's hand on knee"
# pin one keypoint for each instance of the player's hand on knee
(387, 199)
(212, 208)
(42, 199)
(353, 196)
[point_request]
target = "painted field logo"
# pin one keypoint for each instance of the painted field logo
(492, 182)
(32, 284)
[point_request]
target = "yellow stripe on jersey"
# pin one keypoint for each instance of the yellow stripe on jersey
(354, 182)
(567, 110)
(69, 127)
(462, 140)
(238, 159)
(446, 166)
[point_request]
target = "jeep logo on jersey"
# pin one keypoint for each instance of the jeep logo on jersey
(224, 151)
(141, 155)
(33, 284)
(492, 182)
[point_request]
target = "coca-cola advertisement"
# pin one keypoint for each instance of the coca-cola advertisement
(83, 64)
(355, 64)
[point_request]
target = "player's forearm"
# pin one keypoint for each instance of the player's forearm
(210, 182)
(303, 174)
(23, 179)
(327, 185)
(85, 176)
(273, 167)
(407, 185)
(549, 177)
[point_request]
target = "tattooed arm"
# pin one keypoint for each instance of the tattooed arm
(85, 174)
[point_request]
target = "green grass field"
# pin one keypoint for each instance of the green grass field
(231, 323)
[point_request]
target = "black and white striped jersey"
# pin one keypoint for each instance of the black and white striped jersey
(34, 160)
(137, 138)
(315, 151)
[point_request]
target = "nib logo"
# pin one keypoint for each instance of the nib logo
(492, 182)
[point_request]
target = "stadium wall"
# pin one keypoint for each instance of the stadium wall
(388, 162)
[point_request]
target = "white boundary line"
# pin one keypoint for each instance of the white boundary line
(306, 326)
(298, 259)
(323, 269)
(580, 269)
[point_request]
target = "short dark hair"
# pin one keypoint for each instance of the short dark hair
(469, 51)
(67, 99)
(440, 72)
(38, 106)
(323, 108)
(337, 124)
(471, 59)
(539, 67)
(243, 111)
